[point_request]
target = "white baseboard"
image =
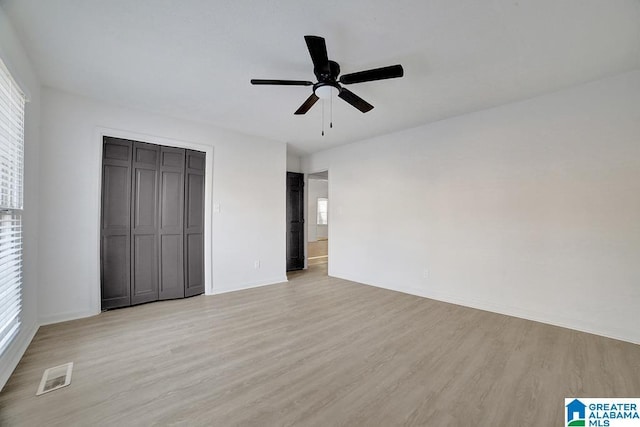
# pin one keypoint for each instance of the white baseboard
(14, 353)
(550, 319)
(249, 285)
(64, 317)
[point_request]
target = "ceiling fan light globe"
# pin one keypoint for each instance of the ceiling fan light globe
(325, 91)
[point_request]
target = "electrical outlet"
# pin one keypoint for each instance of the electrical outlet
(256, 264)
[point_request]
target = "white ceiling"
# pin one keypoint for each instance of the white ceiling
(194, 58)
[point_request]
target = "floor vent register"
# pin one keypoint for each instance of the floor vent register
(55, 378)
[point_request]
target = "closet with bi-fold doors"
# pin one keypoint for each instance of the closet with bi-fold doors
(152, 223)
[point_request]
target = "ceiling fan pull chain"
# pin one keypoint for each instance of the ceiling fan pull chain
(323, 117)
(331, 111)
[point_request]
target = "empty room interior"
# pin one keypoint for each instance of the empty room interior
(352, 213)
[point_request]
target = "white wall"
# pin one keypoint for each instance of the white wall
(530, 209)
(293, 162)
(315, 188)
(15, 58)
(248, 185)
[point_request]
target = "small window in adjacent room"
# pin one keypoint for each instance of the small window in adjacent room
(12, 102)
(323, 211)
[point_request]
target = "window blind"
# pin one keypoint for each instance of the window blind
(12, 103)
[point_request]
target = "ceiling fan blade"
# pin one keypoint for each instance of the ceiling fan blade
(355, 100)
(281, 82)
(307, 104)
(318, 51)
(389, 72)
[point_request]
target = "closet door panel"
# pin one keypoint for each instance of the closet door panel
(115, 255)
(144, 268)
(171, 265)
(194, 223)
(115, 270)
(144, 232)
(145, 201)
(171, 201)
(171, 223)
(116, 180)
(195, 256)
(195, 206)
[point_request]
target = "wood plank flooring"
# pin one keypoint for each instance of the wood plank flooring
(318, 252)
(316, 351)
(318, 248)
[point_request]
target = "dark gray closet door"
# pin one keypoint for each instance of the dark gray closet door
(194, 223)
(172, 162)
(152, 223)
(144, 229)
(115, 252)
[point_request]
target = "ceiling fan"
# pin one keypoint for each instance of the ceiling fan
(327, 73)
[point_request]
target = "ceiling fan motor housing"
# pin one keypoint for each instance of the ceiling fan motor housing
(327, 75)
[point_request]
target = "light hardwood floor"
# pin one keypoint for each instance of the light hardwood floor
(316, 351)
(318, 252)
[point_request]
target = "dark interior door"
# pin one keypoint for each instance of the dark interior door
(295, 221)
(194, 223)
(115, 248)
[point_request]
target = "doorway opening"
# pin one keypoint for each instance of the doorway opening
(318, 219)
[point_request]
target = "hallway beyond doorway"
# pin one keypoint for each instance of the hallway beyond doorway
(318, 251)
